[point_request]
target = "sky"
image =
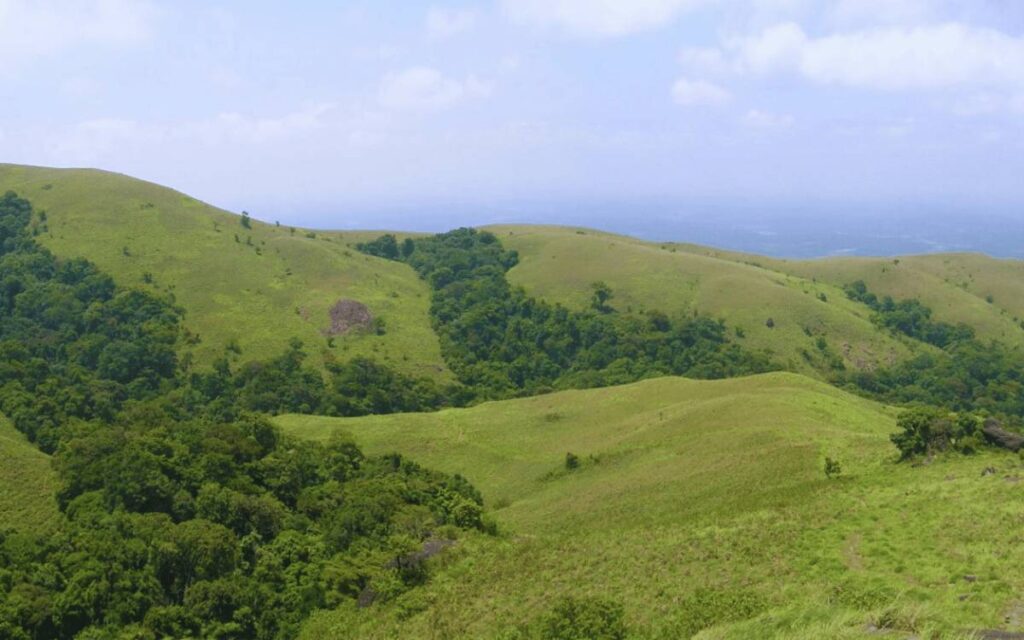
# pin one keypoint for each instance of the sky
(429, 114)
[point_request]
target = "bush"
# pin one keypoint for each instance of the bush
(572, 461)
(929, 430)
(584, 619)
(832, 468)
(706, 608)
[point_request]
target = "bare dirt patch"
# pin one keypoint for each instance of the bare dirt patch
(348, 315)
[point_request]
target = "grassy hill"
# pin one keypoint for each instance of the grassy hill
(27, 483)
(259, 287)
(804, 299)
(717, 486)
(255, 287)
(559, 263)
(984, 292)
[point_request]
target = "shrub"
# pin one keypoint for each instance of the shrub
(572, 461)
(584, 619)
(706, 608)
(832, 468)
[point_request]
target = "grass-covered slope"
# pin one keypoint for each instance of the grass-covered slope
(269, 286)
(703, 504)
(27, 483)
(560, 264)
(983, 292)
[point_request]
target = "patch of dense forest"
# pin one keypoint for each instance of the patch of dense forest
(186, 514)
(500, 342)
(963, 374)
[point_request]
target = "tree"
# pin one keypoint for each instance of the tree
(246, 222)
(602, 293)
(923, 430)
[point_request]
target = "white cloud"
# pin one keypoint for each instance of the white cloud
(757, 119)
(93, 140)
(32, 29)
(873, 12)
(445, 23)
(424, 89)
(598, 18)
(927, 57)
(692, 93)
(704, 60)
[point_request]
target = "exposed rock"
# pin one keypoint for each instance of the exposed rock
(348, 315)
(997, 435)
(995, 634)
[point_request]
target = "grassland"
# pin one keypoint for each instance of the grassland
(256, 288)
(259, 287)
(27, 483)
(717, 485)
(983, 292)
(804, 299)
(559, 264)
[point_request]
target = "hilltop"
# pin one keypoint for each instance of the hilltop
(258, 287)
(803, 298)
(255, 287)
(688, 490)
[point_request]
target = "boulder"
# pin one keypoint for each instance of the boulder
(997, 435)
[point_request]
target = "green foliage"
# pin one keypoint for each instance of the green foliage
(71, 344)
(385, 246)
(196, 526)
(572, 461)
(246, 222)
(501, 342)
(832, 468)
(909, 317)
(602, 294)
(929, 430)
(583, 619)
(705, 608)
(184, 513)
(967, 375)
(357, 387)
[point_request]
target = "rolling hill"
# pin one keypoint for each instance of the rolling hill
(804, 299)
(701, 506)
(257, 288)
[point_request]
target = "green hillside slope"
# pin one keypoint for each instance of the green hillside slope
(559, 264)
(259, 291)
(27, 483)
(701, 504)
(957, 287)
(986, 293)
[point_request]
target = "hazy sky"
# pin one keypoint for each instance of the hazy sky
(314, 111)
